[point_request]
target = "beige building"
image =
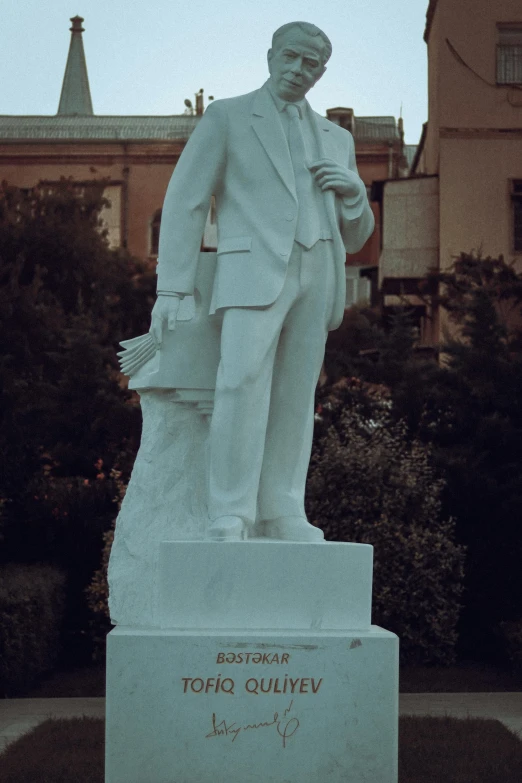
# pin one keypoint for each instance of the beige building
(466, 194)
(137, 154)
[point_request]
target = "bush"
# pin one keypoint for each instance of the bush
(368, 483)
(32, 602)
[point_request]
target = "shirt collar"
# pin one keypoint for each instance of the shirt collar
(282, 104)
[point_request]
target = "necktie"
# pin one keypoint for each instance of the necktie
(308, 228)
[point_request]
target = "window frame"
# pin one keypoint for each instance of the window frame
(502, 47)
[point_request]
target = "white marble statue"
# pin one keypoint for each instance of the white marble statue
(227, 377)
(289, 205)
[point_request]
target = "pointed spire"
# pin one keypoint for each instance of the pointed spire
(76, 95)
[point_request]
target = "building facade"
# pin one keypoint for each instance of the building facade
(465, 193)
(136, 155)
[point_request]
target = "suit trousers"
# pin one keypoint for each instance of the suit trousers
(262, 425)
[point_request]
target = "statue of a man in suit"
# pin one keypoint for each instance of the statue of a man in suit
(289, 204)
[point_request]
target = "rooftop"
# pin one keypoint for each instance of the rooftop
(144, 128)
(375, 129)
(96, 128)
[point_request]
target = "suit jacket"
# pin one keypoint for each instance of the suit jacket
(239, 153)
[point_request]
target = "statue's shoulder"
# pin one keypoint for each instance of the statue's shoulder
(236, 104)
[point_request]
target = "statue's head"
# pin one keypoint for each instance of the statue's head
(297, 59)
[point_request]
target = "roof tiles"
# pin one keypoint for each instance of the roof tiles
(143, 128)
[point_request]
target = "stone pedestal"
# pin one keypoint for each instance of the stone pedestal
(265, 584)
(264, 668)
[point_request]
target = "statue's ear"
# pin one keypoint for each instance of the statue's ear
(269, 56)
(321, 74)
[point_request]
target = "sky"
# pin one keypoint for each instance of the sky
(146, 57)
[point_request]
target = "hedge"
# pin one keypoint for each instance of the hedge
(32, 604)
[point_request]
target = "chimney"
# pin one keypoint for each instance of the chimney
(199, 103)
(343, 117)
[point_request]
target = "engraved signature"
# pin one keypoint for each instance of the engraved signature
(285, 726)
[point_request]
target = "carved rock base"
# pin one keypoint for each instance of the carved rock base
(166, 499)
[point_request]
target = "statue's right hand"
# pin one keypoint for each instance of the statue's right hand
(165, 310)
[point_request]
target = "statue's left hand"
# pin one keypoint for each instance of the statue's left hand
(330, 175)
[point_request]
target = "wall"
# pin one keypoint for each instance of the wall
(457, 97)
(429, 163)
(410, 237)
(142, 169)
(471, 27)
(475, 208)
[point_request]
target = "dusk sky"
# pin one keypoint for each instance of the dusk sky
(147, 57)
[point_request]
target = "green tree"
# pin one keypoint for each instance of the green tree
(468, 410)
(65, 420)
(473, 418)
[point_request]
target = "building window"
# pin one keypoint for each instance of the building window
(516, 198)
(155, 232)
(509, 54)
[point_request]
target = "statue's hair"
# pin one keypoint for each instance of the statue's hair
(309, 29)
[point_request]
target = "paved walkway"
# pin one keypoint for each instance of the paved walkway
(20, 715)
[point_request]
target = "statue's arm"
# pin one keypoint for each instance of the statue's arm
(187, 201)
(184, 214)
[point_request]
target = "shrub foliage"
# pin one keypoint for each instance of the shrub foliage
(468, 410)
(369, 483)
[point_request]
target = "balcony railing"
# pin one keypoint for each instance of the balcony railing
(509, 64)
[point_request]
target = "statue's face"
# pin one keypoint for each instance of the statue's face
(296, 64)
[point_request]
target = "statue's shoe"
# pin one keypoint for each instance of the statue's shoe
(227, 529)
(293, 529)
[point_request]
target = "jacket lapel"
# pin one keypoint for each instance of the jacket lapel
(267, 126)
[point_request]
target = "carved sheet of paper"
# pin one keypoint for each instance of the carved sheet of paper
(188, 357)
